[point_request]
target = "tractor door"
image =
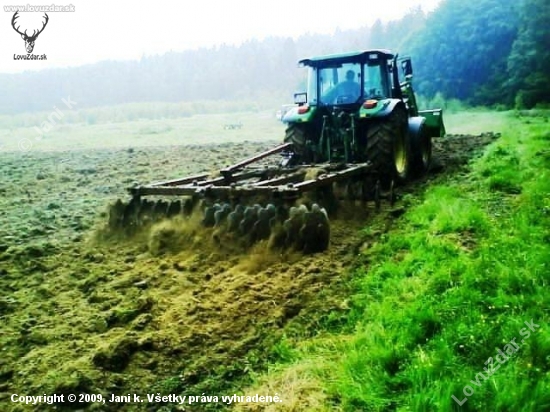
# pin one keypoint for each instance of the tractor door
(376, 77)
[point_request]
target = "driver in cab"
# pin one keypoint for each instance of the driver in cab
(347, 91)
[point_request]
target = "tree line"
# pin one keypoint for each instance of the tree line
(483, 52)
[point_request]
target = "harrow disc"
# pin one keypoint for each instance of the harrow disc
(137, 213)
(304, 226)
(300, 228)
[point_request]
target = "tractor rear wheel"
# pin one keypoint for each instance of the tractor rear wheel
(387, 146)
(298, 135)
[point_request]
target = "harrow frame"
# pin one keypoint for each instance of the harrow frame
(244, 179)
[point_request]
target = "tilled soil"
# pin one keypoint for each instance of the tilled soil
(82, 315)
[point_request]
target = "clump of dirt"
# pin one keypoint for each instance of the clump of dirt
(314, 172)
(453, 151)
(264, 255)
(116, 356)
(171, 235)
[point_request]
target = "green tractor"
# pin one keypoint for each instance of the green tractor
(356, 109)
(354, 132)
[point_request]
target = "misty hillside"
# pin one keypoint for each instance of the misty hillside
(481, 51)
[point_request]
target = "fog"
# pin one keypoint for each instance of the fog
(106, 30)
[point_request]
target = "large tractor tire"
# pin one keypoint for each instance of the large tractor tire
(388, 148)
(298, 136)
(421, 151)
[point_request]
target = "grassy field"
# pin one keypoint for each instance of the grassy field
(435, 307)
(48, 133)
(399, 314)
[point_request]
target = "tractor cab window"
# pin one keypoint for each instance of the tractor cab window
(376, 84)
(340, 84)
(312, 85)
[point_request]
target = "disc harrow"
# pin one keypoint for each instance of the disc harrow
(284, 206)
(300, 228)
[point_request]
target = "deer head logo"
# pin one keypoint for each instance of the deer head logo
(29, 40)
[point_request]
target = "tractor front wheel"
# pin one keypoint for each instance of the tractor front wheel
(421, 151)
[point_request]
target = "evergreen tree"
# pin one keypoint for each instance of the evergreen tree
(529, 61)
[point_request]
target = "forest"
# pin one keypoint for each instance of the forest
(481, 52)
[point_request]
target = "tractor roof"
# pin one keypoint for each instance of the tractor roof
(355, 56)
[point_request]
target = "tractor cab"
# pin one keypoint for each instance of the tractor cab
(347, 79)
(355, 110)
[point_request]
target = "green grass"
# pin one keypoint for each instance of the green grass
(437, 296)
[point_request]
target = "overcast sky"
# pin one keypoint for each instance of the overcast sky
(124, 29)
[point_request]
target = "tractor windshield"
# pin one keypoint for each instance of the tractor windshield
(340, 84)
(348, 83)
(336, 83)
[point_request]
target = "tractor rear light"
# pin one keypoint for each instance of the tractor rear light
(370, 104)
(303, 109)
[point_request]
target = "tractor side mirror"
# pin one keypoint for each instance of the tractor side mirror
(300, 98)
(406, 65)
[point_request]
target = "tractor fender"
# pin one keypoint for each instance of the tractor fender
(388, 106)
(416, 125)
(294, 115)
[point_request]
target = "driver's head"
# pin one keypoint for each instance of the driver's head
(350, 75)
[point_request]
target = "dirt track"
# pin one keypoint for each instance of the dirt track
(112, 318)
